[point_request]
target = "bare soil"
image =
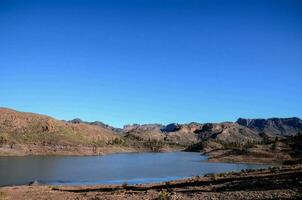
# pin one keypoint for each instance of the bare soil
(253, 155)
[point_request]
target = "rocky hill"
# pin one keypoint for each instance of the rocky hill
(22, 132)
(249, 130)
(273, 126)
(97, 123)
(254, 140)
(155, 136)
(29, 133)
(227, 132)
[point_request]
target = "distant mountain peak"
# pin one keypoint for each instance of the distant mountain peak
(274, 126)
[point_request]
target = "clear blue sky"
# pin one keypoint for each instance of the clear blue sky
(152, 61)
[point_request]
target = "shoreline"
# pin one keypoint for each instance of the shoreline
(259, 157)
(135, 181)
(132, 181)
(76, 151)
(274, 182)
(215, 156)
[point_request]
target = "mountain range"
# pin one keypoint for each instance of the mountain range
(23, 133)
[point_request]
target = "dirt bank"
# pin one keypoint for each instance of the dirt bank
(24, 150)
(251, 156)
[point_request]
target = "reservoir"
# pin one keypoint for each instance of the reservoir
(130, 168)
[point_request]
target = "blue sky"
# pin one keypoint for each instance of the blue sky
(152, 61)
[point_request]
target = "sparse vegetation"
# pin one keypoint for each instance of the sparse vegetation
(38, 133)
(274, 169)
(195, 147)
(295, 144)
(239, 145)
(3, 140)
(125, 185)
(273, 146)
(154, 145)
(163, 195)
(2, 196)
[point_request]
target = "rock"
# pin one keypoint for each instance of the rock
(96, 123)
(227, 132)
(273, 126)
(32, 183)
(171, 127)
(142, 128)
(76, 121)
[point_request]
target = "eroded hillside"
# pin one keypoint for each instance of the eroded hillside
(23, 133)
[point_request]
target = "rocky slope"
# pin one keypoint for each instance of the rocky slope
(31, 133)
(155, 137)
(273, 127)
(250, 130)
(227, 132)
(255, 141)
(23, 133)
(97, 123)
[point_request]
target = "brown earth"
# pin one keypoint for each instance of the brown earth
(253, 155)
(273, 183)
(270, 151)
(23, 133)
(273, 126)
(23, 150)
(227, 132)
(28, 129)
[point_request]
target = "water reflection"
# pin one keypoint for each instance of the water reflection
(116, 168)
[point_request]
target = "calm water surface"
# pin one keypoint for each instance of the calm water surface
(132, 168)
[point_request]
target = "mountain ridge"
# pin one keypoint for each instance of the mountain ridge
(33, 133)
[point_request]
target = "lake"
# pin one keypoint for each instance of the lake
(131, 168)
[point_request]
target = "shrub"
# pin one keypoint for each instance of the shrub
(154, 145)
(164, 195)
(195, 147)
(274, 145)
(2, 195)
(125, 185)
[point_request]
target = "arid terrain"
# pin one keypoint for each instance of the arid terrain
(34, 134)
(272, 141)
(247, 140)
